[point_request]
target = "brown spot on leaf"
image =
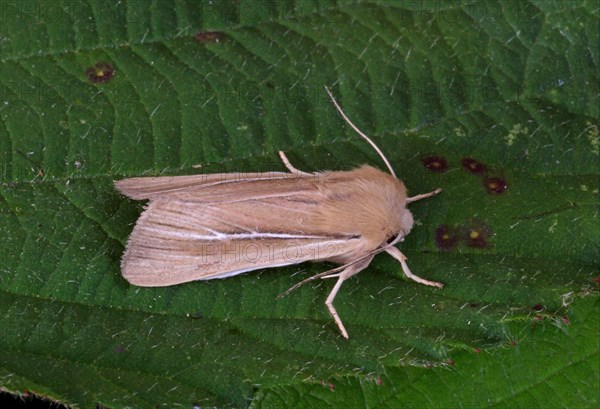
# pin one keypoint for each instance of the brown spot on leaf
(495, 185)
(100, 72)
(477, 235)
(473, 166)
(435, 163)
(207, 37)
(331, 385)
(446, 237)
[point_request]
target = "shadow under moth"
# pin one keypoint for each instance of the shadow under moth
(207, 226)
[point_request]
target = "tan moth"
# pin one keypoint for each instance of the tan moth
(202, 227)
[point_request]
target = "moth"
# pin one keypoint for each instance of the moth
(208, 226)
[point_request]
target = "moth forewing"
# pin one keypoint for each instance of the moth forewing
(203, 227)
(200, 187)
(252, 224)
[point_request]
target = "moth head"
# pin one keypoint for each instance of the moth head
(405, 225)
(406, 220)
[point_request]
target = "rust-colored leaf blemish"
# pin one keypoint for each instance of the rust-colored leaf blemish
(329, 384)
(538, 307)
(473, 166)
(446, 237)
(207, 37)
(477, 236)
(435, 163)
(100, 72)
(495, 185)
(565, 320)
(597, 280)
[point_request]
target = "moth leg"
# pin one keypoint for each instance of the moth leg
(291, 167)
(397, 254)
(423, 196)
(347, 273)
(332, 311)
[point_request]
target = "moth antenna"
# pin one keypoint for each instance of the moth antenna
(361, 133)
(301, 283)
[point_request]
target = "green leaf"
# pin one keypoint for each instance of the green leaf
(552, 364)
(92, 91)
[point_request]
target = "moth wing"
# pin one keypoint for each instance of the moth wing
(176, 241)
(187, 186)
